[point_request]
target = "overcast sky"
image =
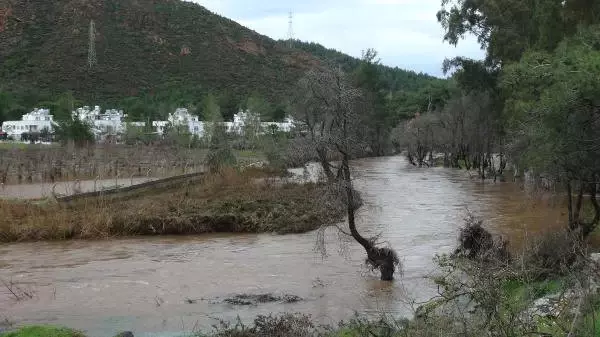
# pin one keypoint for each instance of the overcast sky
(404, 32)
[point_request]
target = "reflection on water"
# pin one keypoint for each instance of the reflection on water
(144, 284)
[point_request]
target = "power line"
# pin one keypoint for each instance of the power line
(291, 31)
(92, 60)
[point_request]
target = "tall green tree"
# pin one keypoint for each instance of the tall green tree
(220, 153)
(554, 109)
(509, 28)
(211, 112)
(256, 104)
(74, 131)
(63, 106)
(368, 78)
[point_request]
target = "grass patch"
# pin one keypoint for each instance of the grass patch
(230, 202)
(43, 331)
(248, 154)
(591, 320)
(518, 295)
(521, 291)
(28, 163)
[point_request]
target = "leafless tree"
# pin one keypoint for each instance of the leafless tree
(311, 109)
(465, 132)
(417, 137)
(333, 113)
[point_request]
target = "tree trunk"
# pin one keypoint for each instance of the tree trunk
(502, 164)
(322, 154)
(411, 157)
(446, 160)
(381, 258)
(589, 227)
(570, 202)
(575, 221)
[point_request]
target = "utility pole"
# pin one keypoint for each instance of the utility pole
(92, 60)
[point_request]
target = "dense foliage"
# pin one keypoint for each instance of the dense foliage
(393, 78)
(540, 83)
(74, 131)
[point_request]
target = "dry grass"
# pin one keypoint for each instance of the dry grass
(37, 164)
(229, 202)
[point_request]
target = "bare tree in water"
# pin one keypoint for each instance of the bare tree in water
(310, 109)
(334, 117)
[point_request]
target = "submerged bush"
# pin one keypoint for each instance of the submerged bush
(475, 242)
(554, 254)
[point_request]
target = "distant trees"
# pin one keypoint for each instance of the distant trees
(63, 106)
(310, 111)
(393, 79)
(9, 108)
(135, 135)
(215, 135)
(417, 137)
(74, 131)
(141, 109)
(256, 104)
(380, 119)
(212, 115)
(465, 132)
(220, 152)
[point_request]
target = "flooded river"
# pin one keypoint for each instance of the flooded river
(63, 188)
(165, 286)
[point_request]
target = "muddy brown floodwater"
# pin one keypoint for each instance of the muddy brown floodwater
(45, 190)
(145, 284)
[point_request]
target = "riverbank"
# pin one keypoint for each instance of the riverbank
(232, 202)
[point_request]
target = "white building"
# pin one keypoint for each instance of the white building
(286, 126)
(242, 118)
(109, 123)
(135, 125)
(33, 122)
(112, 123)
(160, 126)
(181, 118)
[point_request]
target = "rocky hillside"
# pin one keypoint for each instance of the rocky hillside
(150, 55)
(142, 46)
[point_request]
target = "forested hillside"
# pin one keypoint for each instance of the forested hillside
(162, 51)
(394, 78)
(151, 55)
